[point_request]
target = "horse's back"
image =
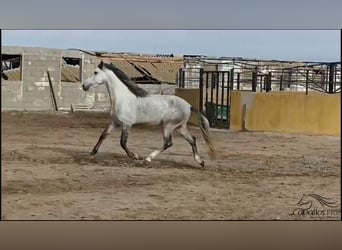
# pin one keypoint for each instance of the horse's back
(174, 103)
(162, 109)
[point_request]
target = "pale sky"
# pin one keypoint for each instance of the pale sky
(298, 45)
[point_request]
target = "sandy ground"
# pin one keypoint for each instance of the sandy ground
(47, 173)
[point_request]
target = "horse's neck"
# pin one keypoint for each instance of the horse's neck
(118, 93)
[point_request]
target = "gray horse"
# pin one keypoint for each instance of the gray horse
(133, 105)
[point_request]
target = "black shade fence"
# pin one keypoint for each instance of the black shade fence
(215, 97)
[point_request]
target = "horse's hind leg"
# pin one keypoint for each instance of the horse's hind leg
(103, 136)
(167, 135)
(192, 141)
(123, 142)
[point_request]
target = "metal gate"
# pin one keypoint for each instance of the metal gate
(215, 97)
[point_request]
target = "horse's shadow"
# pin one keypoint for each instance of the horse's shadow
(107, 159)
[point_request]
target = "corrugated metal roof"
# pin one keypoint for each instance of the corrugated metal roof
(13, 75)
(164, 70)
(126, 67)
(70, 74)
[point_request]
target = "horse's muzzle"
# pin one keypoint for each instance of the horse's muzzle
(84, 87)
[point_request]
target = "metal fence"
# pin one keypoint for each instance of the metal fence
(215, 97)
(284, 76)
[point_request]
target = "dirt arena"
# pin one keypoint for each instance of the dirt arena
(48, 174)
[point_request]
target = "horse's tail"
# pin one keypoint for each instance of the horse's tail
(205, 130)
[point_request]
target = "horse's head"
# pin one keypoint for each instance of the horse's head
(99, 77)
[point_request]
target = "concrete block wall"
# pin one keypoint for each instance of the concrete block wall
(165, 89)
(34, 85)
(36, 89)
(72, 93)
(12, 95)
(98, 97)
(33, 91)
(11, 91)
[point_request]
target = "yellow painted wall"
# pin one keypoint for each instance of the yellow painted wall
(292, 112)
(192, 96)
(316, 113)
(236, 111)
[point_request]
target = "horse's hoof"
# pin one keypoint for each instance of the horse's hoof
(134, 156)
(147, 159)
(202, 164)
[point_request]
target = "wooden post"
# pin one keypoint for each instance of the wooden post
(331, 77)
(254, 81)
(52, 92)
(307, 82)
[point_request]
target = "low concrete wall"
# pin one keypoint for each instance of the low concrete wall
(315, 113)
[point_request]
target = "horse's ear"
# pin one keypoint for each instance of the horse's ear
(101, 64)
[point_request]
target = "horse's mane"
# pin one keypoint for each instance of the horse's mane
(132, 86)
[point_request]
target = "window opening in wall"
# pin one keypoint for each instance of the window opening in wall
(71, 69)
(11, 67)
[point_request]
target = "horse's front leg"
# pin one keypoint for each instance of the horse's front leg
(103, 136)
(123, 142)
